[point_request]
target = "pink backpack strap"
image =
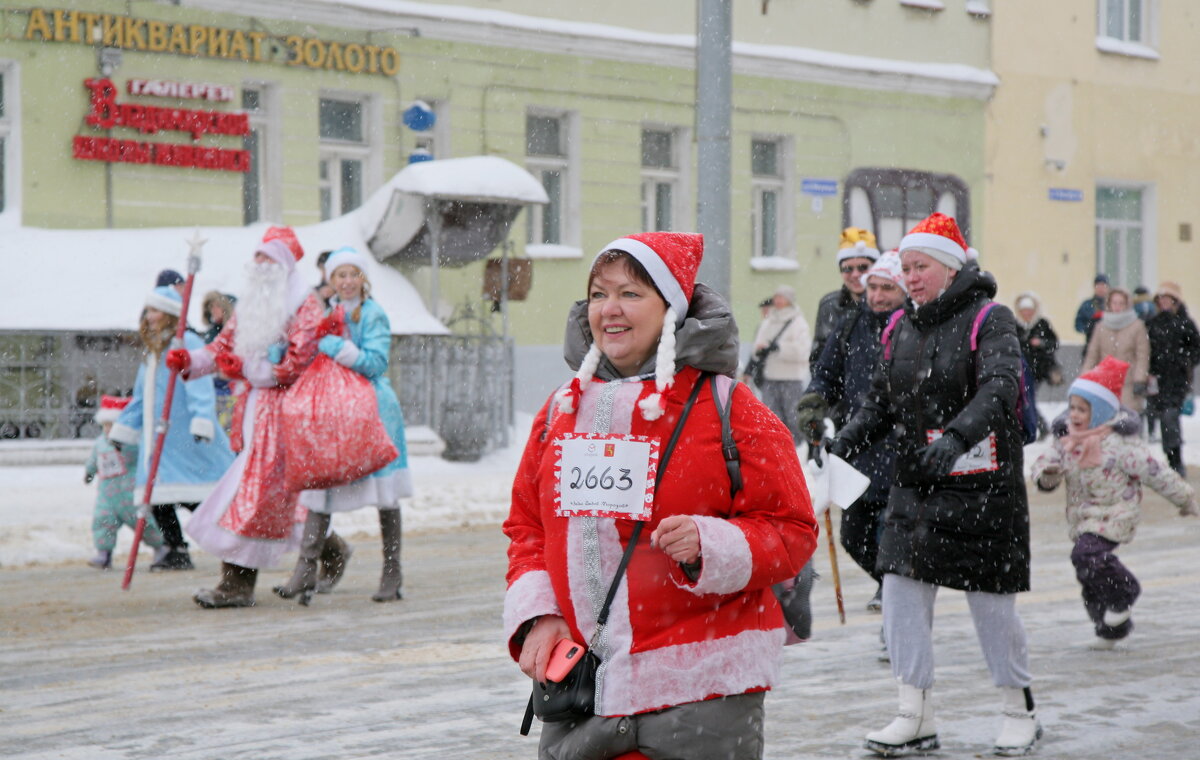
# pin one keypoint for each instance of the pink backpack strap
(982, 315)
(886, 337)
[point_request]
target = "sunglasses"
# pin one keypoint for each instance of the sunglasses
(850, 268)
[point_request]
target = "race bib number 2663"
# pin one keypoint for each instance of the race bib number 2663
(605, 475)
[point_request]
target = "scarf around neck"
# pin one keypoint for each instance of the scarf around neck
(1082, 447)
(1118, 320)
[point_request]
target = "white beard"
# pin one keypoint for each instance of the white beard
(262, 314)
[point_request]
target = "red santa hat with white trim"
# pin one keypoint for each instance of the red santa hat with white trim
(1101, 387)
(938, 236)
(110, 408)
(672, 260)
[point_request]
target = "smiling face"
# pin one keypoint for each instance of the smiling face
(883, 295)
(347, 281)
(852, 270)
(926, 277)
(625, 316)
(1117, 301)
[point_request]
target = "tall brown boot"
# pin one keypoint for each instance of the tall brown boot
(235, 589)
(334, 557)
(303, 582)
(391, 579)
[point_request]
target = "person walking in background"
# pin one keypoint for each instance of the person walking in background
(1174, 354)
(1105, 464)
(114, 499)
(843, 373)
(217, 309)
(195, 451)
(1120, 334)
(1143, 303)
(364, 347)
(694, 636)
(856, 252)
(1089, 312)
(957, 514)
(782, 344)
(249, 518)
(1039, 344)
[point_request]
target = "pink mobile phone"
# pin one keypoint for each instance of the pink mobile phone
(566, 653)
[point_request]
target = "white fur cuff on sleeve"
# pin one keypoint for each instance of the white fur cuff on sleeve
(202, 363)
(528, 597)
(727, 562)
(123, 434)
(203, 428)
(347, 354)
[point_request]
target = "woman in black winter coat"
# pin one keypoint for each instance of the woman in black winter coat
(1039, 342)
(957, 514)
(1174, 353)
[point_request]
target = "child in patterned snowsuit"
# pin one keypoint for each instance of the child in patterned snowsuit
(114, 501)
(1105, 463)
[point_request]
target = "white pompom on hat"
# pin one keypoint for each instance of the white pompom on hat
(672, 260)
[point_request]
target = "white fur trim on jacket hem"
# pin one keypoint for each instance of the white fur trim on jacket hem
(727, 562)
(347, 354)
(686, 673)
(203, 428)
(124, 434)
(528, 597)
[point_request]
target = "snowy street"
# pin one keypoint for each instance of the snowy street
(89, 671)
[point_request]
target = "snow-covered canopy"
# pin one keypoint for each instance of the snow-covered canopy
(82, 280)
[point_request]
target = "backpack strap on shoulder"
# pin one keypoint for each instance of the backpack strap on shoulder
(886, 337)
(978, 323)
(722, 392)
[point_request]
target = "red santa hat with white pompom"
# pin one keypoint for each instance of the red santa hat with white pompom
(110, 408)
(672, 260)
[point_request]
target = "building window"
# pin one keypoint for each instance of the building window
(1125, 20)
(889, 202)
(343, 156)
(769, 179)
(660, 179)
(547, 156)
(1120, 234)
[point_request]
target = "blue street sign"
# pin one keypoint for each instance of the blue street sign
(1068, 194)
(819, 186)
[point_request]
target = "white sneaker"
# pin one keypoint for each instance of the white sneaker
(1099, 644)
(1114, 618)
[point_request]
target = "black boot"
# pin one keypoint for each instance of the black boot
(392, 578)
(303, 582)
(235, 589)
(334, 557)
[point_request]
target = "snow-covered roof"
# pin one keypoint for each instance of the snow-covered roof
(82, 280)
(479, 179)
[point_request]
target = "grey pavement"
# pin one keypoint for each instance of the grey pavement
(90, 671)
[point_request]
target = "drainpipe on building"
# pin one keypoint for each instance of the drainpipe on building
(714, 97)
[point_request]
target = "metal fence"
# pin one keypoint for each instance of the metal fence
(51, 382)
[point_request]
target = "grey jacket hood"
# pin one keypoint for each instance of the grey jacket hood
(707, 340)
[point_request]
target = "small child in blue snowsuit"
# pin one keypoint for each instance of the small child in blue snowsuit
(114, 501)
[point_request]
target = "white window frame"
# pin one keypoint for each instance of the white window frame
(337, 151)
(785, 203)
(1146, 47)
(10, 130)
(437, 139)
(1148, 224)
(568, 166)
(266, 122)
(674, 176)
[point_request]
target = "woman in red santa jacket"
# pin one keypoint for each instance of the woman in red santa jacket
(694, 635)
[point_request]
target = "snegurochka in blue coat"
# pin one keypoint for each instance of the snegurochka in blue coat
(365, 348)
(196, 450)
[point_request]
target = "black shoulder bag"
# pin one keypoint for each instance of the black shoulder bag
(575, 696)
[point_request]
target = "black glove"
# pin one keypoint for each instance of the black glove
(810, 412)
(89, 477)
(1139, 389)
(116, 445)
(1059, 426)
(839, 448)
(938, 457)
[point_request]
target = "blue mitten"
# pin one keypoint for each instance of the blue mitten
(276, 351)
(330, 345)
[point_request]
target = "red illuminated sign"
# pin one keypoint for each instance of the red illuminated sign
(107, 113)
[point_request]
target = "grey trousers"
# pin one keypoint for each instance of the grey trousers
(728, 728)
(782, 397)
(908, 630)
